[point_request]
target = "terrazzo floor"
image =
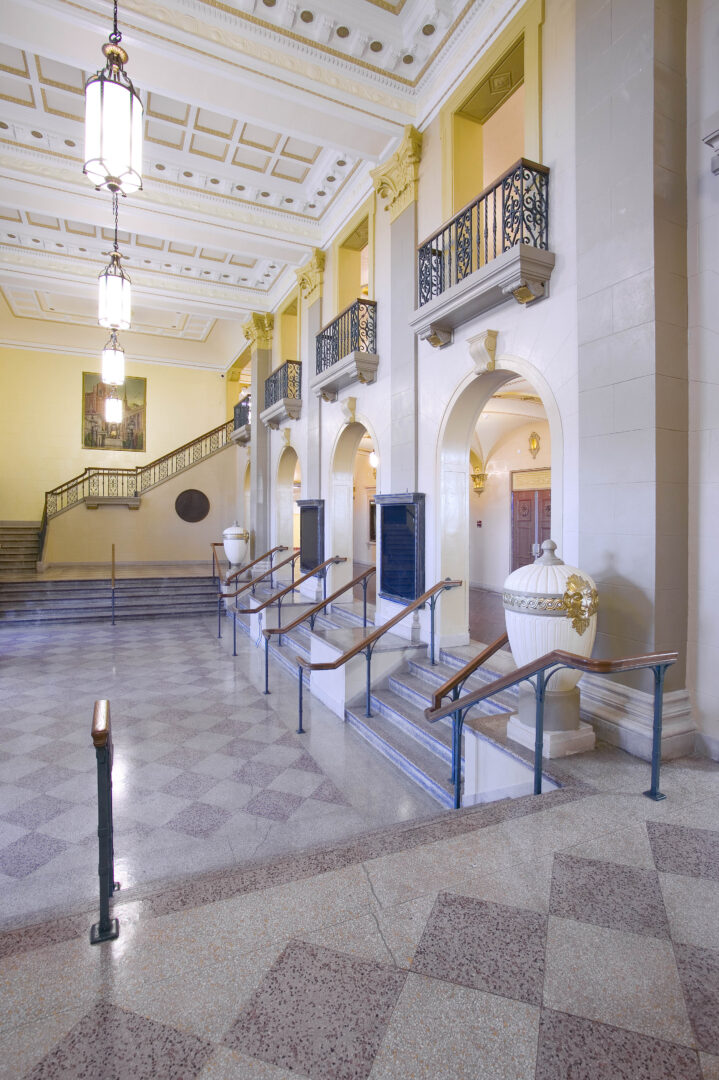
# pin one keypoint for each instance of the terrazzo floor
(571, 936)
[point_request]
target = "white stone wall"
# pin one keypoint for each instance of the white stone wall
(703, 274)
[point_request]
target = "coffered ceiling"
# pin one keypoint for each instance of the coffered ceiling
(263, 119)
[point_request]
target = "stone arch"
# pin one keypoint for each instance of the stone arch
(340, 512)
(284, 497)
(452, 511)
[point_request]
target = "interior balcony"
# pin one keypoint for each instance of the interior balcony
(495, 249)
(283, 395)
(346, 350)
(242, 431)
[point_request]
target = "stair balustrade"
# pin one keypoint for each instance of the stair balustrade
(312, 614)
(538, 673)
(513, 210)
(368, 644)
(278, 597)
(253, 582)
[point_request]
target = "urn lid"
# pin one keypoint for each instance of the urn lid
(235, 532)
(547, 576)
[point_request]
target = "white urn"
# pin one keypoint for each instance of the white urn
(235, 540)
(549, 605)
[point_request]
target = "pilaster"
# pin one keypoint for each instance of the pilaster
(258, 331)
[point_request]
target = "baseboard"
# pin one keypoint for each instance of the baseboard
(485, 588)
(623, 717)
(707, 746)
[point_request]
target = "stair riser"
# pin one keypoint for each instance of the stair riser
(400, 761)
(403, 723)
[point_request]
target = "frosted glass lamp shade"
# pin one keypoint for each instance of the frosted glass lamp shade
(113, 127)
(113, 410)
(113, 363)
(114, 296)
(373, 459)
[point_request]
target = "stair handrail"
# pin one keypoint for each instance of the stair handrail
(221, 596)
(260, 558)
(216, 561)
(278, 596)
(268, 632)
(556, 660)
(455, 683)
(367, 644)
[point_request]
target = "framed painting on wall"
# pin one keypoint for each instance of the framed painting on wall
(129, 433)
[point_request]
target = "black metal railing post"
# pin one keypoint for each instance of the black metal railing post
(540, 686)
(364, 602)
(368, 654)
(300, 729)
(107, 928)
(267, 666)
(654, 793)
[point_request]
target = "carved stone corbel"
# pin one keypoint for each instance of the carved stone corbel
(437, 336)
(349, 409)
(398, 178)
(483, 350)
(525, 291)
(286, 436)
(310, 277)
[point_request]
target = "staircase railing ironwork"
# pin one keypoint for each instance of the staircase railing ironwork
(107, 928)
(455, 683)
(513, 210)
(285, 382)
(367, 645)
(278, 597)
(129, 483)
(312, 615)
(354, 330)
(538, 673)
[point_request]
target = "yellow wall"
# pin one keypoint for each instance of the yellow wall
(41, 417)
(503, 137)
(349, 269)
(467, 170)
(154, 533)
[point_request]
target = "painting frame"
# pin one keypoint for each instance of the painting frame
(130, 435)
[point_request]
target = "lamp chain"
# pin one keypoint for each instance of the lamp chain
(115, 36)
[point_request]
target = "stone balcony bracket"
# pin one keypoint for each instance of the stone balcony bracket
(242, 435)
(357, 366)
(283, 410)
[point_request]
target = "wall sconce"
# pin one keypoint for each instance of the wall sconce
(534, 444)
(479, 479)
(374, 461)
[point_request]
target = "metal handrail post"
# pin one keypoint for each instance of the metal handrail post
(540, 686)
(457, 722)
(219, 615)
(364, 602)
(107, 928)
(300, 729)
(267, 666)
(234, 631)
(654, 793)
(368, 654)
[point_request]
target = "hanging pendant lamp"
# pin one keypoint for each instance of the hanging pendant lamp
(113, 362)
(115, 289)
(113, 123)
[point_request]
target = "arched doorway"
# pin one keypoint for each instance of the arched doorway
(483, 434)
(287, 529)
(353, 484)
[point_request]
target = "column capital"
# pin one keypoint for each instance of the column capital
(258, 330)
(310, 277)
(397, 179)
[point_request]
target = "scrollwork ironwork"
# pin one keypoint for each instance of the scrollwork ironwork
(354, 330)
(286, 382)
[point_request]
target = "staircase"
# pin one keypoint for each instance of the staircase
(19, 545)
(398, 728)
(91, 601)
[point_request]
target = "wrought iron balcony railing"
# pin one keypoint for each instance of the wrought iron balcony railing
(513, 210)
(243, 413)
(129, 483)
(285, 382)
(354, 330)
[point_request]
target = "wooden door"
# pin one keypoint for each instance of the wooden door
(531, 523)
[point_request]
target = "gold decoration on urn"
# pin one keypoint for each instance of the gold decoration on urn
(397, 179)
(580, 601)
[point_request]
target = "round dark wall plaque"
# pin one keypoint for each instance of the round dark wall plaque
(192, 505)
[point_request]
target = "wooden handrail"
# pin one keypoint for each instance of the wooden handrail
(101, 723)
(318, 607)
(557, 656)
(482, 195)
(249, 584)
(469, 668)
(260, 558)
(293, 586)
(379, 631)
